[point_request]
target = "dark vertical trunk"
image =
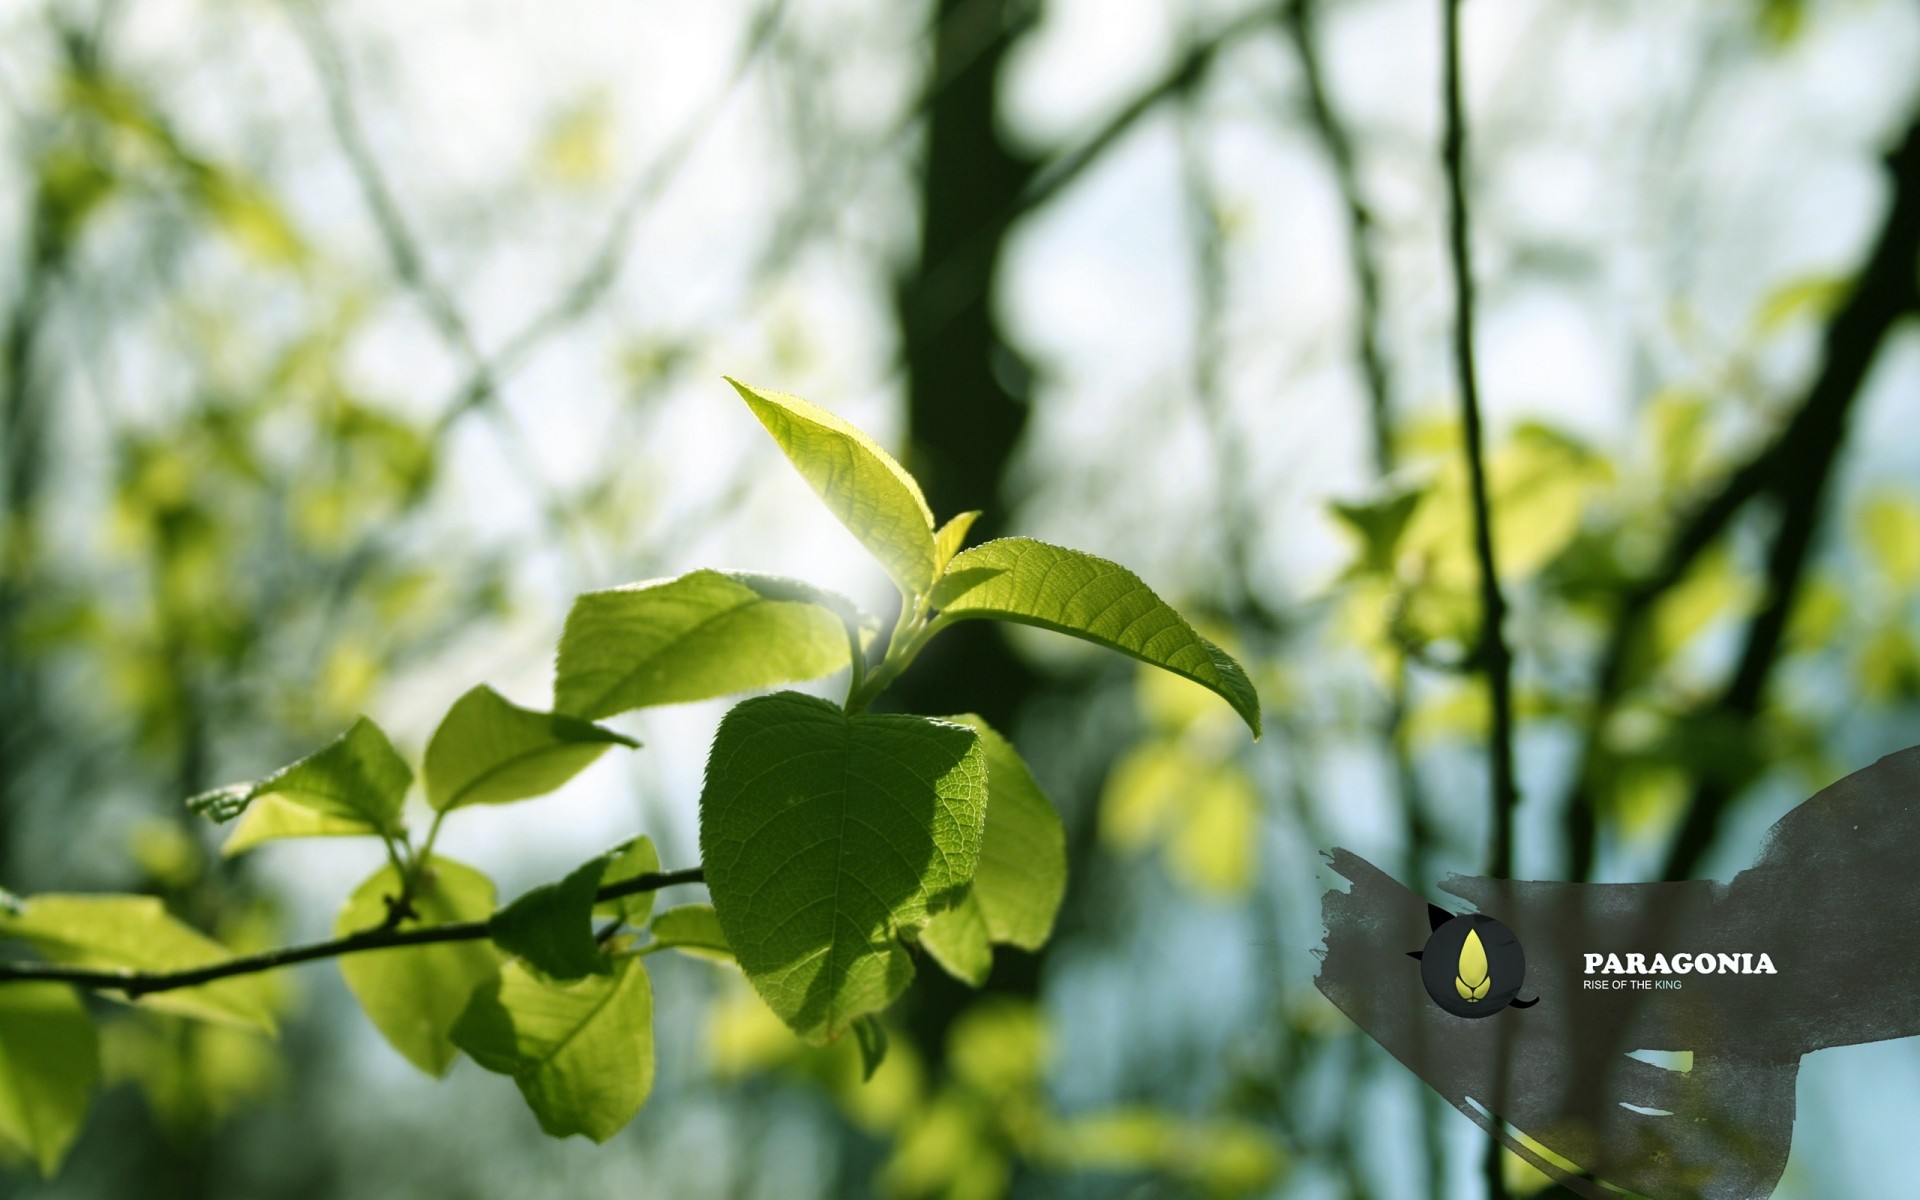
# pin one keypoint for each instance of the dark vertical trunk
(967, 390)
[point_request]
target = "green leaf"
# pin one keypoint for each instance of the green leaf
(951, 537)
(49, 1062)
(353, 785)
(705, 634)
(693, 928)
(872, 1037)
(414, 994)
(1890, 527)
(270, 818)
(135, 933)
(629, 860)
(581, 1053)
(489, 751)
(958, 940)
(826, 835)
(1378, 524)
(551, 926)
(1023, 854)
(1067, 591)
(873, 495)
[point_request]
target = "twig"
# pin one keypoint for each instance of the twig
(1494, 656)
(134, 984)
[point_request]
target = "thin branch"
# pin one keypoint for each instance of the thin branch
(134, 984)
(1494, 656)
(1362, 248)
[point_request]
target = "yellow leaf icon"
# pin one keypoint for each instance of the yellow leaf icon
(1472, 982)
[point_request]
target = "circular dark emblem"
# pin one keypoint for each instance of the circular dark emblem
(1473, 966)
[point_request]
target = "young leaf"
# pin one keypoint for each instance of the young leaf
(705, 634)
(414, 994)
(1067, 591)
(551, 927)
(489, 751)
(581, 1053)
(872, 1037)
(958, 940)
(628, 860)
(352, 785)
(134, 933)
(873, 495)
(49, 1062)
(952, 536)
(825, 835)
(694, 929)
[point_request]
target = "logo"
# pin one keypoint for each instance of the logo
(1472, 965)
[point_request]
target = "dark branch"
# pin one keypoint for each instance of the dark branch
(1803, 469)
(1792, 468)
(1493, 655)
(134, 984)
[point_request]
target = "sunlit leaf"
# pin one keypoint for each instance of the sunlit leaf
(135, 933)
(581, 1053)
(49, 1062)
(1023, 853)
(824, 836)
(489, 751)
(957, 939)
(705, 634)
(861, 484)
(1067, 591)
(414, 994)
(951, 538)
(354, 784)
(1890, 529)
(694, 929)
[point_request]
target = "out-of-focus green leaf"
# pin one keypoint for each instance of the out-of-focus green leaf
(353, 785)
(135, 933)
(827, 834)
(193, 1075)
(872, 1039)
(581, 1053)
(490, 751)
(551, 926)
(49, 1062)
(705, 634)
(1890, 530)
(1377, 525)
(694, 929)
(1813, 297)
(1206, 812)
(414, 994)
(1713, 588)
(861, 484)
(999, 1047)
(1220, 1158)
(1067, 591)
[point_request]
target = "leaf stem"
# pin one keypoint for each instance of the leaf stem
(134, 984)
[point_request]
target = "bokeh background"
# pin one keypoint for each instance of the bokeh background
(342, 342)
